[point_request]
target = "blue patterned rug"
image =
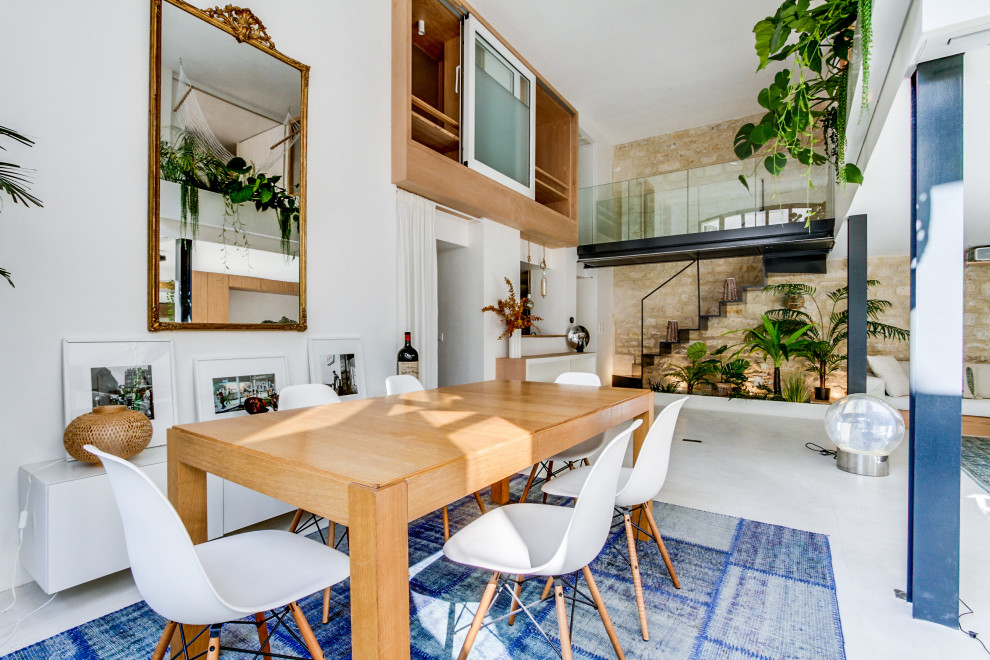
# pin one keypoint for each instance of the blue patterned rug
(976, 460)
(748, 590)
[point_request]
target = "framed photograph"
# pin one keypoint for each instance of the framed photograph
(223, 384)
(339, 363)
(137, 374)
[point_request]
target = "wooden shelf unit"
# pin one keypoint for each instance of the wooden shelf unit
(426, 132)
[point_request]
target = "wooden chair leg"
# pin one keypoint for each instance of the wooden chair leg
(213, 648)
(637, 580)
(446, 525)
(549, 474)
(481, 504)
(307, 633)
(331, 536)
(263, 634)
(660, 544)
(565, 632)
(479, 616)
(163, 643)
(515, 605)
(546, 588)
(529, 482)
(295, 520)
(600, 604)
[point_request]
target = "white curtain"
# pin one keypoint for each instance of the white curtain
(416, 306)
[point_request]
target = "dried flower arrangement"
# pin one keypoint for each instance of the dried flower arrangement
(511, 312)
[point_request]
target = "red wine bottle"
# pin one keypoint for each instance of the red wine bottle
(408, 358)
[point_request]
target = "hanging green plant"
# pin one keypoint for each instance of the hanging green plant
(249, 185)
(807, 106)
(186, 160)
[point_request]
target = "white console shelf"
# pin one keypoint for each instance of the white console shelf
(74, 534)
(543, 368)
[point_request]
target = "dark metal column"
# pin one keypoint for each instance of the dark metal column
(937, 281)
(183, 280)
(856, 281)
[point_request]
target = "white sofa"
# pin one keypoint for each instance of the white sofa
(976, 412)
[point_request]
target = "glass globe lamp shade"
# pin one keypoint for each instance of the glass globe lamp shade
(865, 429)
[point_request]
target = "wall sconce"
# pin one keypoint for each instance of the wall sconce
(421, 27)
(673, 332)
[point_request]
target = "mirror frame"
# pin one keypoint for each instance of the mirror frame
(242, 25)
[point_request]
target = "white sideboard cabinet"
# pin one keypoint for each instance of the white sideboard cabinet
(73, 532)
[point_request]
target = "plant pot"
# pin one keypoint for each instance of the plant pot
(823, 393)
(723, 389)
(794, 301)
(113, 429)
(515, 344)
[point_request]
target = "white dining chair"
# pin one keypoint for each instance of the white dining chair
(637, 487)
(307, 395)
(580, 452)
(220, 581)
(402, 384)
(541, 540)
(405, 384)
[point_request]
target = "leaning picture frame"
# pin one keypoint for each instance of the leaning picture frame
(223, 384)
(135, 373)
(339, 363)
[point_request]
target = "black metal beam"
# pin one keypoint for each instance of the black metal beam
(777, 239)
(937, 280)
(856, 281)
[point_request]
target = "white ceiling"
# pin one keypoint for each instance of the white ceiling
(638, 68)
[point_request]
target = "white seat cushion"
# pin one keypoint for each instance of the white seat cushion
(515, 539)
(875, 386)
(895, 380)
(259, 571)
(570, 483)
(970, 407)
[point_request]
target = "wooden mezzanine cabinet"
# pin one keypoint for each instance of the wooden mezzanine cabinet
(427, 140)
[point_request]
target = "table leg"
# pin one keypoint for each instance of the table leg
(379, 549)
(187, 493)
(639, 436)
(500, 491)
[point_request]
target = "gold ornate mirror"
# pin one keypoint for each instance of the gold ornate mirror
(227, 174)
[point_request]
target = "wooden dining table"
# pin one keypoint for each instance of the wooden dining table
(376, 464)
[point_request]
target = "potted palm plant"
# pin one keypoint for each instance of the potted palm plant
(778, 346)
(14, 183)
(701, 368)
(731, 372)
(826, 332)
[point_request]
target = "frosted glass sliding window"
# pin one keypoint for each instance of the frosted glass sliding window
(499, 136)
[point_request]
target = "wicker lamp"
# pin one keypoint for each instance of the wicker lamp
(673, 333)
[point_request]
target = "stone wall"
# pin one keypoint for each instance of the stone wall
(694, 147)
(977, 318)
(632, 282)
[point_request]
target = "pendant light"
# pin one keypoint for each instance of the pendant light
(543, 267)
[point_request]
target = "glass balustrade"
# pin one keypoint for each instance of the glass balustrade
(702, 199)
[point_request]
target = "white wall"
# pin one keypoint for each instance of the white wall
(885, 196)
(460, 286)
(501, 260)
(80, 263)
